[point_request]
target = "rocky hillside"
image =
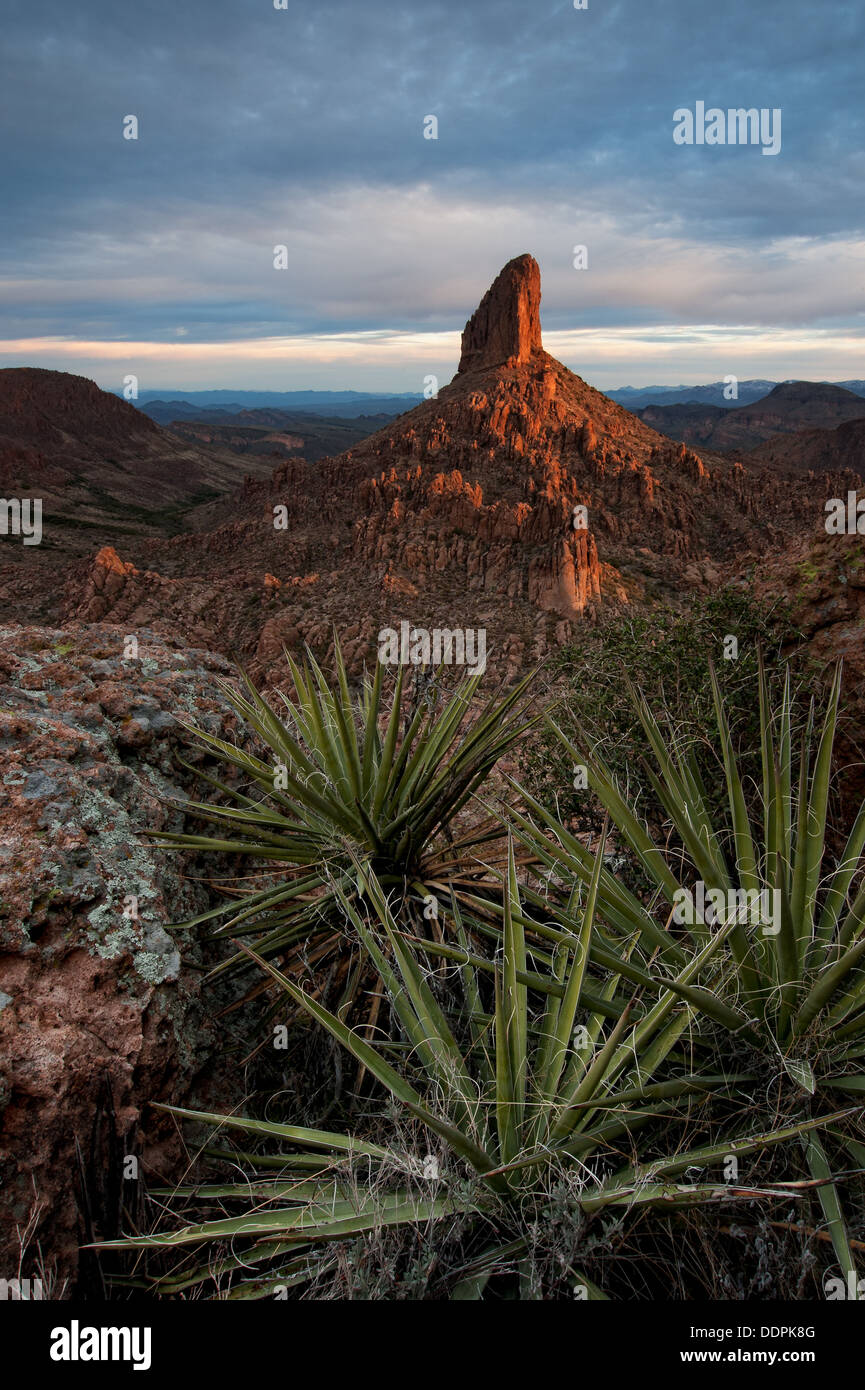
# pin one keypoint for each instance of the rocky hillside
(94, 458)
(459, 514)
(278, 433)
(103, 472)
(818, 451)
(791, 406)
(100, 1008)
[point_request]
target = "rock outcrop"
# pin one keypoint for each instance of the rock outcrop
(99, 1013)
(518, 500)
(506, 326)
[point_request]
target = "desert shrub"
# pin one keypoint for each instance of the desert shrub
(764, 922)
(565, 1066)
(531, 1127)
(382, 777)
(664, 654)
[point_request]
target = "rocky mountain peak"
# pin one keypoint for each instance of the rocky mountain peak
(506, 326)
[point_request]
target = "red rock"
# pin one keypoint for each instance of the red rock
(97, 1014)
(458, 514)
(506, 326)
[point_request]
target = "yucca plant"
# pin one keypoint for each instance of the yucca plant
(346, 777)
(773, 928)
(520, 1106)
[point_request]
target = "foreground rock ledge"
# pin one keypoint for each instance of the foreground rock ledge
(97, 1017)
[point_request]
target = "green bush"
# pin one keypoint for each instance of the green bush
(666, 656)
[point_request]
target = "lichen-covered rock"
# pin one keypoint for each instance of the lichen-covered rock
(96, 999)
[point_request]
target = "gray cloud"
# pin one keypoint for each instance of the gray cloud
(304, 127)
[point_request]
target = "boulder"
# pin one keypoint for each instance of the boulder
(100, 1010)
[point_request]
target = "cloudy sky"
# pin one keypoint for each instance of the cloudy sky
(304, 127)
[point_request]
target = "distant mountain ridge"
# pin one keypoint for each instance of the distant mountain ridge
(339, 403)
(748, 392)
(788, 408)
(187, 404)
(637, 397)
